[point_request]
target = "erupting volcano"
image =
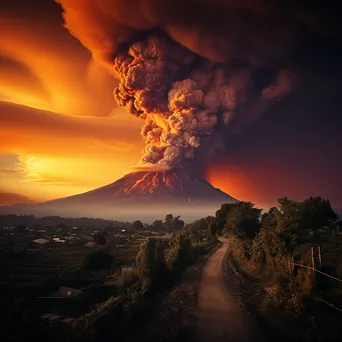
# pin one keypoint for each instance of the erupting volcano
(138, 195)
(153, 187)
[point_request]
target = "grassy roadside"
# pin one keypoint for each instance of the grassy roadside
(175, 318)
(171, 316)
(280, 300)
(250, 285)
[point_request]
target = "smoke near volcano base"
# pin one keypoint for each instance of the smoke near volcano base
(201, 73)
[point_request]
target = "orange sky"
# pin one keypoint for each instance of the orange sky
(60, 132)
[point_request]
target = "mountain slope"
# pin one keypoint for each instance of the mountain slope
(143, 191)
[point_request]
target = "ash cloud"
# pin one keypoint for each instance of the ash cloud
(191, 68)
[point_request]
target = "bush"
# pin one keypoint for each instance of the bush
(240, 247)
(125, 280)
(273, 298)
(294, 304)
(180, 254)
(150, 262)
(305, 280)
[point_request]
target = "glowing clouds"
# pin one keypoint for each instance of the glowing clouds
(157, 82)
(186, 68)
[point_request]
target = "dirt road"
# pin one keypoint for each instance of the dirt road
(219, 316)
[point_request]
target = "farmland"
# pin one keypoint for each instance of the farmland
(37, 264)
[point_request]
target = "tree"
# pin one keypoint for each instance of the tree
(221, 215)
(173, 222)
(243, 219)
(177, 223)
(168, 220)
(201, 224)
(97, 261)
(311, 214)
(288, 215)
(213, 229)
(150, 262)
(138, 225)
(180, 250)
(158, 225)
(317, 213)
(269, 220)
(100, 239)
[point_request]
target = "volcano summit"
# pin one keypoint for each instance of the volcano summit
(141, 195)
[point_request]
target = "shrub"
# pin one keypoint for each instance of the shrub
(294, 304)
(125, 280)
(150, 262)
(180, 253)
(305, 280)
(273, 298)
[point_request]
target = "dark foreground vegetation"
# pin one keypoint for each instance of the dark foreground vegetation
(99, 280)
(291, 258)
(84, 284)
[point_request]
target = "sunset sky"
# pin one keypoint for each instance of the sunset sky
(61, 132)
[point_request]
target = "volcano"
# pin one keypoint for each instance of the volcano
(138, 195)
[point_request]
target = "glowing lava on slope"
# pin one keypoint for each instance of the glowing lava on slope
(142, 194)
(162, 186)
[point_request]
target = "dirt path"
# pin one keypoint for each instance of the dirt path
(219, 316)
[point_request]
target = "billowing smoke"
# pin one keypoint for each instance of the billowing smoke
(190, 68)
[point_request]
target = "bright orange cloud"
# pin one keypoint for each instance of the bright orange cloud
(26, 129)
(43, 67)
(60, 125)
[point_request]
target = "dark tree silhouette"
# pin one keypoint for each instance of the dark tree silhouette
(138, 225)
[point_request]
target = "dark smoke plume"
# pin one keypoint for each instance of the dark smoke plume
(191, 67)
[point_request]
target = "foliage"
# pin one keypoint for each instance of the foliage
(158, 225)
(269, 220)
(213, 229)
(98, 260)
(273, 298)
(169, 219)
(150, 262)
(173, 222)
(138, 225)
(305, 280)
(288, 215)
(125, 280)
(317, 213)
(270, 248)
(311, 214)
(180, 250)
(241, 247)
(243, 219)
(221, 215)
(201, 224)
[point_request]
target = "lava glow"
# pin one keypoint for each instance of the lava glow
(150, 182)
